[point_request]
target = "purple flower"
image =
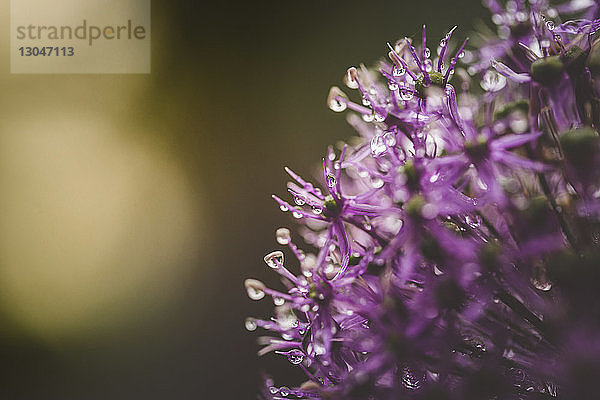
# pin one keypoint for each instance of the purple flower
(452, 250)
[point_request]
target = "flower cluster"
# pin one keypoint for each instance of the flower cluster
(456, 240)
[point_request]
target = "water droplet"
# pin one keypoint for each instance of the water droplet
(492, 81)
(392, 85)
(331, 182)
(377, 182)
(273, 258)
(297, 214)
(406, 94)
(255, 289)
(428, 65)
(427, 52)
(461, 54)
(497, 19)
(550, 25)
(378, 146)
(521, 16)
(379, 117)
(299, 200)
(541, 284)
(442, 42)
(389, 138)
(434, 177)
(273, 390)
(410, 380)
(278, 301)
(284, 391)
(283, 207)
(366, 102)
(295, 357)
(283, 236)
(317, 210)
(335, 99)
(336, 165)
(368, 117)
(398, 71)
(319, 348)
(351, 78)
(250, 324)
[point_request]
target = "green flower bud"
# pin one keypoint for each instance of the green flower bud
(436, 79)
(580, 146)
(547, 71)
(509, 108)
(479, 149)
(410, 172)
(414, 206)
(331, 207)
(574, 59)
(593, 61)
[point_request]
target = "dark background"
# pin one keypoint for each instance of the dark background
(237, 92)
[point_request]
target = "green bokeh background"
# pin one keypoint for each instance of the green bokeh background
(237, 92)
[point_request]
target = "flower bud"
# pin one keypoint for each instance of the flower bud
(580, 146)
(435, 78)
(547, 71)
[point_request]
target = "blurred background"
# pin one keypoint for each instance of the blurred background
(132, 207)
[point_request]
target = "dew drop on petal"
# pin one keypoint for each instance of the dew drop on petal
(282, 235)
(250, 324)
(283, 208)
(497, 19)
(297, 214)
(398, 71)
(428, 65)
(389, 138)
(331, 182)
(368, 117)
(541, 284)
(255, 289)
(406, 94)
(273, 258)
(299, 200)
(334, 99)
(378, 146)
(351, 78)
(379, 117)
(278, 301)
(409, 380)
(295, 357)
(377, 182)
(492, 81)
